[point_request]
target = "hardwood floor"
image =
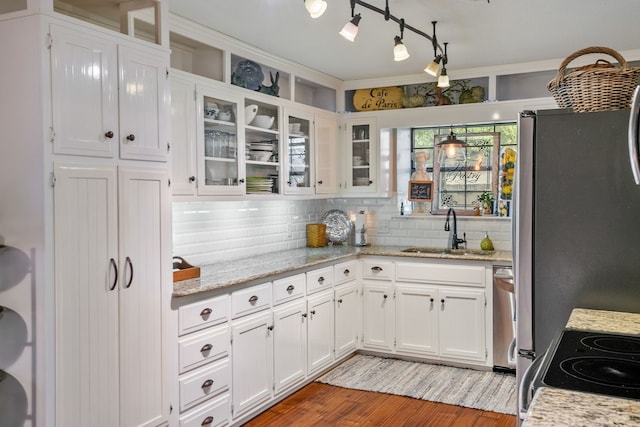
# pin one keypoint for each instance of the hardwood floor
(325, 405)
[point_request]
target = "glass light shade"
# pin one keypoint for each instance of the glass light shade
(350, 30)
(443, 80)
(452, 149)
(315, 7)
(400, 52)
(433, 67)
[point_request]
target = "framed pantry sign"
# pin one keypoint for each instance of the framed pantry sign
(379, 98)
(420, 191)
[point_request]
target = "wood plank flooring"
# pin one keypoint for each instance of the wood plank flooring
(325, 405)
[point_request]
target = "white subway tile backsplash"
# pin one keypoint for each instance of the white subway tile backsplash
(205, 232)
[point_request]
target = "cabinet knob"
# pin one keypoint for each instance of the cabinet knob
(340, 301)
(320, 182)
(241, 180)
(304, 314)
(346, 272)
(320, 280)
(192, 178)
(207, 384)
(289, 182)
(108, 134)
(205, 348)
(207, 421)
(313, 312)
(131, 137)
(205, 312)
(385, 296)
(290, 288)
(370, 182)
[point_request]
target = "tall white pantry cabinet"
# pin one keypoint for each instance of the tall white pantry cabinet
(85, 193)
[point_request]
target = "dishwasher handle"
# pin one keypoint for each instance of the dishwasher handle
(525, 388)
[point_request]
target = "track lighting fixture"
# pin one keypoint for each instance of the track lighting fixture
(452, 149)
(315, 7)
(443, 80)
(400, 52)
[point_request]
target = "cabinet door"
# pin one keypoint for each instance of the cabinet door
(347, 315)
(378, 316)
(144, 255)
(289, 344)
(252, 367)
(220, 149)
(144, 98)
(361, 156)
(86, 262)
(183, 136)
(84, 89)
(320, 331)
(417, 319)
(327, 169)
(299, 155)
(462, 325)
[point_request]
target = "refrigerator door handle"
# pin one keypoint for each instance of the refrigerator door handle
(633, 135)
(525, 391)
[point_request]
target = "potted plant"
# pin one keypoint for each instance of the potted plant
(486, 201)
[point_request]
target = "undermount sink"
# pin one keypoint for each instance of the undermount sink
(441, 251)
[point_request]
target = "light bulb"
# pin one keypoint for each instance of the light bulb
(400, 52)
(315, 7)
(443, 80)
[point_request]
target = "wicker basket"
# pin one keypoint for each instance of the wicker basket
(316, 235)
(596, 87)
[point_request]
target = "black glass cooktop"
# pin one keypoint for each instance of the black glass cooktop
(595, 362)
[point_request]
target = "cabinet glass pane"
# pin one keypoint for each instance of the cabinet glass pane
(220, 142)
(361, 160)
(262, 139)
(298, 153)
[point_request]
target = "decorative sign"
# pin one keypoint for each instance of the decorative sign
(380, 98)
(420, 191)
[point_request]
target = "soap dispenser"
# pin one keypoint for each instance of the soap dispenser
(486, 244)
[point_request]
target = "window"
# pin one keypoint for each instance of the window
(488, 168)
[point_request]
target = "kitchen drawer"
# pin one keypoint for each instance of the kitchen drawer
(212, 414)
(346, 271)
(320, 279)
(466, 275)
(250, 300)
(204, 383)
(203, 314)
(288, 289)
(377, 269)
(203, 347)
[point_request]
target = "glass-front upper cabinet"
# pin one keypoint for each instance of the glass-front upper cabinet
(361, 156)
(262, 147)
(299, 155)
(219, 148)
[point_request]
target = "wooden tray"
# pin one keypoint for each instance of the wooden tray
(182, 270)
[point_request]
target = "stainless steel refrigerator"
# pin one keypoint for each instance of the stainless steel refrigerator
(576, 226)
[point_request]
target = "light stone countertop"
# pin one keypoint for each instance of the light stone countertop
(256, 267)
(553, 407)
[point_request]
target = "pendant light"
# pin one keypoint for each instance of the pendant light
(452, 149)
(350, 29)
(434, 66)
(443, 80)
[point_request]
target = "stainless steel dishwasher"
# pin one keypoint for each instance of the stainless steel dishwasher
(504, 326)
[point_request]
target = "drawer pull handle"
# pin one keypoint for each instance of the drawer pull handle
(207, 421)
(131, 137)
(346, 272)
(205, 312)
(115, 278)
(290, 288)
(108, 134)
(253, 299)
(320, 279)
(207, 384)
(376, 268)
(205, 348)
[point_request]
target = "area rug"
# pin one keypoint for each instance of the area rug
(485, 390)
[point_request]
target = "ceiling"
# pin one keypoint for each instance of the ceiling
(479, 33)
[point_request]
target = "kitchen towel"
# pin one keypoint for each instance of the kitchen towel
(484, 390)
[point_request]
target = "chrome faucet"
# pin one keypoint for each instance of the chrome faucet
(454, 242)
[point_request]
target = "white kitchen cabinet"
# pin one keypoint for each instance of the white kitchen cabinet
(360, 156)
(417, 319)
(347, 318)
(320, 338)
(183, 134)
(289, 344)
(378, 310)
(252, 362)
(109, 99)
(299, 154)
(462, 324)
(111, 237)
(263, 141)
(327, 170)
